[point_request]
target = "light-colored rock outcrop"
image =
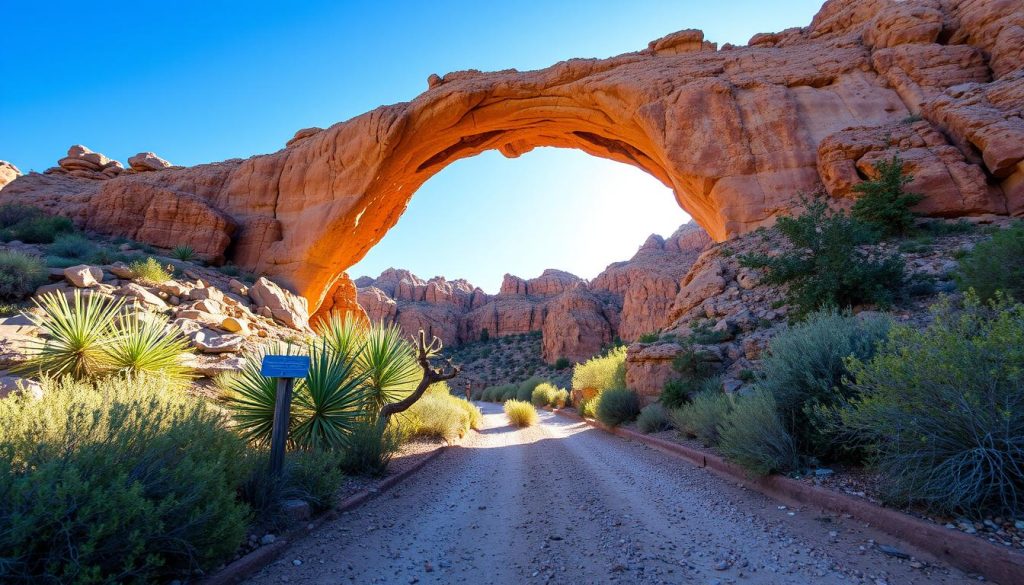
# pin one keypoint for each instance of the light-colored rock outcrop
(290, 309)
(8, 173)
(148, 161)
(734, 132)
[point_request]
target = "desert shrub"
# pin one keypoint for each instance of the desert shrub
(602, 372)
(587, 407)
(694, 367)
(704, 417)
(942, 410)
(183, 252)
(488, 394)
(476, 418)
(509, 392)
(995, 265)
(485, 335)
(151, 271)
(562, 363)
(543, 394)
(520, 414)
(939, 227)
(20, 275)
(368, 448)
(653, 418)
(882, 202)
(826, 267)
(439, 415)
(526, 388)
(617, 406)
(121, 480)
(312, 476)
(754, 437)
(649, 337)
(72, 246)
(805, 370)
(561, 398)
(31, 225)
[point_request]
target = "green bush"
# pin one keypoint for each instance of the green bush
(883, 203)
(520, 414)
(562, 363)
(543, 394)
(121, 480)
(805, 370)
(650, 337)
(602, 372)
(561, 398)
(754, 437)
(31, 225)
(995, 265)
(20, 275)
(368, 448)
(142, 344)
(653, 418)
(72, 246)
(617, 406)
(826, 267)
(526, 388)
(509, 392)
(942, 410)
(587, 408)
(694, 367)
(150, 271)
(704, 417)
(312, 476)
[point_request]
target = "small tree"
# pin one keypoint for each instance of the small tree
(826, 267)
(883, 202)
(485, 335)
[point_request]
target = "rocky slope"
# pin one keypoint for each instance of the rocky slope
(735, 131)
(739, 314)
(576, 318)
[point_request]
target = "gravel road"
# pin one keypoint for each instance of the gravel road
(565, 503)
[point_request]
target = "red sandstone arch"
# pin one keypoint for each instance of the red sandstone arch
(734, 132)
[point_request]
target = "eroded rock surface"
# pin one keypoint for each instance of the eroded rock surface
(735, 132)
(576, 317)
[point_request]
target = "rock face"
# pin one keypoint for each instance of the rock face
(735, 132)
(8, 173)
(576, 318)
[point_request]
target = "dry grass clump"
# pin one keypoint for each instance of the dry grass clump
(520, 413)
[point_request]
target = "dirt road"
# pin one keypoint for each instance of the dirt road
(565, 503)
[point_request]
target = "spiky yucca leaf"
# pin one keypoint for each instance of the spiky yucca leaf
(345, 335)
(329, 402)
(142, 344)
(183, 252)
(389, 362)
(76, 336)
(249, 397)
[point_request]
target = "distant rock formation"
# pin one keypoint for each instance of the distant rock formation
(576, 318)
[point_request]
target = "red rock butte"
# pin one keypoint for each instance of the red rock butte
(735, 132)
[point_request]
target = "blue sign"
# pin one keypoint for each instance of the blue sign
(285, 366)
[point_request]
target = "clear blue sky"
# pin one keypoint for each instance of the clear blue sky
(205, 81)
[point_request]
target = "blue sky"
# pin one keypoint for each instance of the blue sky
(204, 81)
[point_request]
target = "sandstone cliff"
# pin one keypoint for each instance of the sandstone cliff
(576, 317)
(734, 131)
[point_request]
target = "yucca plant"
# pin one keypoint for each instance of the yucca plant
(76, 336)
(142, 344)
(345, 335)
(183, 252)
(330, 401)
(249, 396)
(389, 363)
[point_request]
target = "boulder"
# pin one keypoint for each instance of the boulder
(235, 325)
(142, 295)
(83, 275)
(148, 161)
(8, 172)
(207, 341)
(283, 306)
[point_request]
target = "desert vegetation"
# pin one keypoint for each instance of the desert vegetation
(520, 414)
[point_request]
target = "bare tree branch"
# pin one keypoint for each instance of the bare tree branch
(424, 352)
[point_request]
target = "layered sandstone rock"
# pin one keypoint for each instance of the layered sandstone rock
(734, 132)
(8, 173)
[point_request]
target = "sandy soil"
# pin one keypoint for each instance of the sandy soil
(565, 503)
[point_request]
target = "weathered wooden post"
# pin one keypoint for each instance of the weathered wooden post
(285, 368)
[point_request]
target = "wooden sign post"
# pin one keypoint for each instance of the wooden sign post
(285, 368)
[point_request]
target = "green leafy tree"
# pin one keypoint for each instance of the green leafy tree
(883, 202)
(826, 266)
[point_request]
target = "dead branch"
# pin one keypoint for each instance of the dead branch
(431, 375)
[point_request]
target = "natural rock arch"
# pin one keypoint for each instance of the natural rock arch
(735, 132)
